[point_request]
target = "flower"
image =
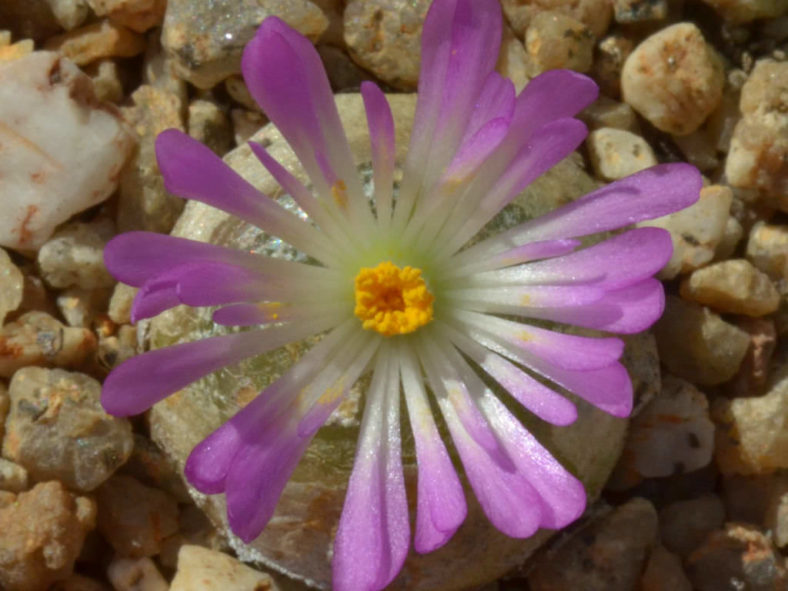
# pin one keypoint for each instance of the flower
(395, 290)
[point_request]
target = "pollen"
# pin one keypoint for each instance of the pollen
(392, 300)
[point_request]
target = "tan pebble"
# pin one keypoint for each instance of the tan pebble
(202, 567)
(616, 153)
(554, 40)
(140, 574)
(96, 41)
(137, 15)
(20, 49)
(674, 79)
(767, 249)
(734, 286)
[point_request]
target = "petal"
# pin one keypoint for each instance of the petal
(547, 146)
(628, 310)
(373, 536)
(509, 299)
(544, 402)
(140, 382)
(617, 262)
(456, 61)
(153, 298)
(252, 314)
(441, 506)
(382, 140)
(137, 257)
(286, 77)
(257, 476)
(648, 194)
(209, 463)
(526, 342)
(530, 251)
(552, 95)
(192, 171)
(562, 498)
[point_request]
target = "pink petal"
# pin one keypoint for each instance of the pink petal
(617, 262)
(562, 498)
(373, 536)
(460, 43)
(651, 193)
(252, 314)
(286, 77)
(192, 171)
(382, 140)
(153, 298)
(628, 310)
(609, 388)
(140, 382)
(137, 257)
(441, 507)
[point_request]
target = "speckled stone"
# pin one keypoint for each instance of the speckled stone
(513, 60)
(734, 286)
(639, 11)
(674, 79)
(767, 249)
(672, 434)
(607, 555)
(384, 37)
(203, 569)
(206, 38)
(57, 139)
(11, 285)
(209, 125)
(758, 156)
(134, 518)
(697, 345)
(137, 15)
(74, 256)
(609, 58)
(606, 112)
(737, 557)
(554, 40)
(43, 532)
(595, 14)
(57, 429)
(752, 433)
(141, 574)
(616, 153)
(69, 13)
(36, 338)
(96, 41)
(695, 231)
(753, 374)
(13, 477)
(144, 204)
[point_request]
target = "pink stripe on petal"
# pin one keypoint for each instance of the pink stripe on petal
(474, 151)
(258, 475)
(544, 402)
(214, 284)
(210, 461)
(286, 77)
(617, 262)
(382, 140)
(562, 497)
(441, 506)
(528, 252)
(547, 146)
(192, 171)
(137, 257)
(553, 95)
(507, 498)
(373, 536)
(140, 382)
(153, 298)
(648, 194)
(496, 101)
(609, 388)
(628, 310)
(455, 63)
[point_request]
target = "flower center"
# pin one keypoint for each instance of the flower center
(392, 300)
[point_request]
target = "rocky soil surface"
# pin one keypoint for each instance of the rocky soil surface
(89, 502)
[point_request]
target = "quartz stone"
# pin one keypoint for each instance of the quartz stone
(298, 539)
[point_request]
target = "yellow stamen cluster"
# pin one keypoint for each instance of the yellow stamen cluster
(392, 300)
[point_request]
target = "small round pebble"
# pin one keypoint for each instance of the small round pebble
(616, 153)
(554, 40)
